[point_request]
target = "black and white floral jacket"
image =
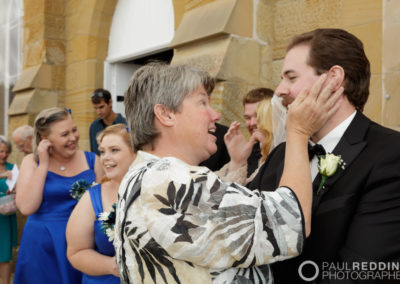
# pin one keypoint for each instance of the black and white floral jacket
(178, 223)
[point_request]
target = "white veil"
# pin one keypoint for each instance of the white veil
(278, 121)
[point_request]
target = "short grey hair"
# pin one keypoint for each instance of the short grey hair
(4, 140)
(158, 83)
(26, 131)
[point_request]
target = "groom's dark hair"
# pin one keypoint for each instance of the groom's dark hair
(329, 47)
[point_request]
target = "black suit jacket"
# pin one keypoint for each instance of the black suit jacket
(253, 159)
(356, 218)
(221, 157)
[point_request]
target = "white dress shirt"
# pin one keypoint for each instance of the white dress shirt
(329, 142)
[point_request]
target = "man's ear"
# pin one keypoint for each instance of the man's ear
(337, 71)
(164, 115)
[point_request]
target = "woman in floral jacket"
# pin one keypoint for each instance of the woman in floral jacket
(180, 223)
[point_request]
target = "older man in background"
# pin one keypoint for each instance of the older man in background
(22, 138)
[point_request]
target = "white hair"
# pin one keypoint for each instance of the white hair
(26, 131)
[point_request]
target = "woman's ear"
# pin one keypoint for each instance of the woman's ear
(164, 115)
(337, 72)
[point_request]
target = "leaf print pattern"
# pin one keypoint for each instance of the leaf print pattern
(179, 224)
(174, 202)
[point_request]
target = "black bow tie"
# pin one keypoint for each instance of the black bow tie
(317, 149)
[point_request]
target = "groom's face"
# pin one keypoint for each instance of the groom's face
(296, 74)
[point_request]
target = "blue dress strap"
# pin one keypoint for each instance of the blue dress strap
(95, 196)
(90, 158)
(9, 166)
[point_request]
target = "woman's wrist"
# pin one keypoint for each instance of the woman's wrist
(234, 165)
(297, 135)
(42, 169)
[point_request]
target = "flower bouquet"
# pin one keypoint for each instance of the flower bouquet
(108, 222)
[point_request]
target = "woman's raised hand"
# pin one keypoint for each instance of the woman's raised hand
(312, 108)
(239, 148)
(43, 150)
(6, 174)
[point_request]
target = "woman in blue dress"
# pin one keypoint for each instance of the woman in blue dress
(90, 247)
(8, 223)
(43, 193)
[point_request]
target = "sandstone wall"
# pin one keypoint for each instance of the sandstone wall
(253, 60)
(65, 45)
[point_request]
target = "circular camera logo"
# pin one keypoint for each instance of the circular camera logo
(306, 265)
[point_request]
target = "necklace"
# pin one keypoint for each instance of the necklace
(62, 168)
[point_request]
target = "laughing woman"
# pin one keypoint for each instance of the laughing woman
(90, 250)
(180, 223)
(43, 193)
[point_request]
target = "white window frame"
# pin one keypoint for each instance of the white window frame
(12, 17)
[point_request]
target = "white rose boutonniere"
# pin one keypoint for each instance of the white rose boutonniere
(327, 166)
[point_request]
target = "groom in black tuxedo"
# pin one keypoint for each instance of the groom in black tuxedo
(356, 215)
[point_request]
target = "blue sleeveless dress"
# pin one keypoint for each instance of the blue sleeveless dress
(42, 256)
(102, 245)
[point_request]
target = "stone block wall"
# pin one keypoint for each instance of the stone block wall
(234, 56)
(391, 64)
(69, 39)
(362, 18)
(256, 60)
(86, 40)
(67, 42)
(41, 83)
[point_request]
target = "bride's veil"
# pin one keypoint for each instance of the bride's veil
(278, 121)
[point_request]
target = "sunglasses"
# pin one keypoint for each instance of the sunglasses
(98, 95)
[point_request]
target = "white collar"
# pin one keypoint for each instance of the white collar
(330, 140)
(144, 157)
